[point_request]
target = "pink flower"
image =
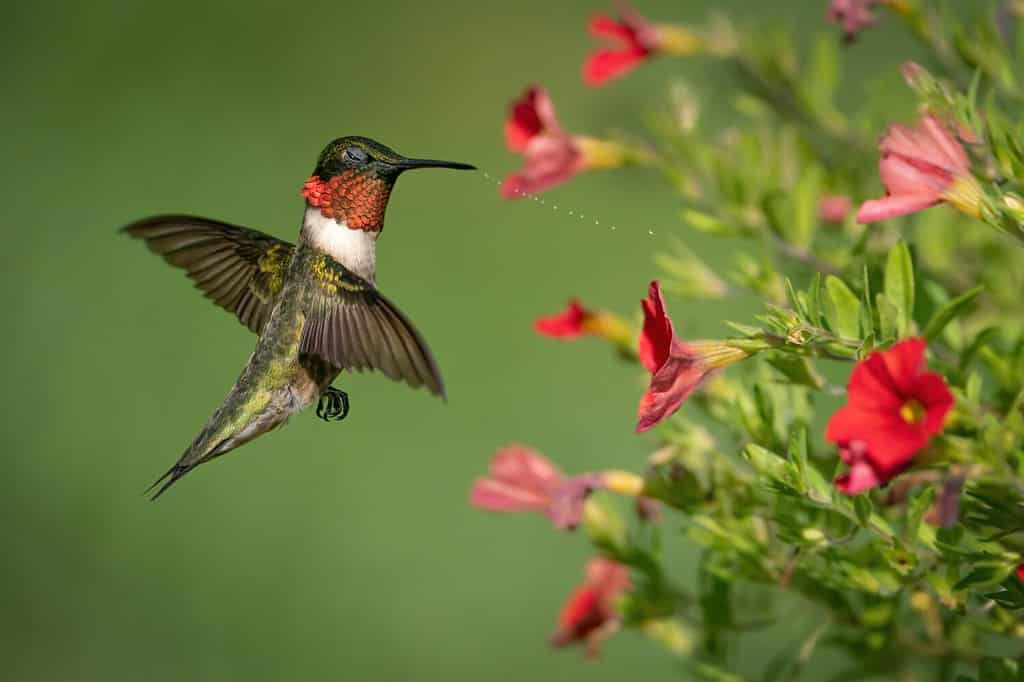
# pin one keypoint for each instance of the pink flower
(524, 480)
(833, 208)
(854, 15)
(921, 167)
(894, 407)
(590, 614)
(676, 368)
(571, 323)
(550, 155)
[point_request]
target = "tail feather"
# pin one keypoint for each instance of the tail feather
(170, 477)
(192, 458)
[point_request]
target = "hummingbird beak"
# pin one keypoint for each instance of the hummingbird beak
(408, 164)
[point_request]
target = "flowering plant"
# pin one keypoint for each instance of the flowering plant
(854, 455)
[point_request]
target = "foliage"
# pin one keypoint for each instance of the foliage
(916, 573)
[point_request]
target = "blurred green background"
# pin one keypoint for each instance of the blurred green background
(322, 551)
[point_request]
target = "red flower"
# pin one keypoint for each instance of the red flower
(524, 480)
(637, 38)
(893, 409)
(854, 15)
(571, 323)
(921, 167)
(550, 155)
(1020, 572)
(676, 368)
(833, 208)
(589, 615)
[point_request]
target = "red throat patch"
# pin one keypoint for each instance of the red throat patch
(354, 198)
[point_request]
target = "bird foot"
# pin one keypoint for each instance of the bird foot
(333, 405)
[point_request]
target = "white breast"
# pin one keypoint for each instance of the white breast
(355, 249)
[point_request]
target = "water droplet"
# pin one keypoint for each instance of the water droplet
(650, 231)
(614, 227)
(554, 208)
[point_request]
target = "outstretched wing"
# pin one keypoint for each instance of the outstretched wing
(240, 269)
(352, 326)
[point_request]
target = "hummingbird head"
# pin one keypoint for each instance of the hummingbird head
(353, 178)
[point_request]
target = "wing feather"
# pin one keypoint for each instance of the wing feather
(353, 326)
(239, 269)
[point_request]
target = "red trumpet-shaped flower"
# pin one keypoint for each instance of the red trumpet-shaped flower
(590, 615)
(894, 407)
(576, 321)
(676, 368)
(550, 155)
(853, 15)
(921, 167)
(635, 40)
(522, 479)
(571, 323)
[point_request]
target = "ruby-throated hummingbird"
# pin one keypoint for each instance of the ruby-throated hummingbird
(314, 304)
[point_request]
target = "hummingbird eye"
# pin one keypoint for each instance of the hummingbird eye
(355, 154)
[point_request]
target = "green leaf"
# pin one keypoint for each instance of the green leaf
(842, 308)
(798, 369)
(919, 506)
(984, 575)
(867, 313)
(899, 286)
(767, 462)
(813, 300)
(797, 453)
(862, 507)
(888, 318)
(805, 208)
(998, 670)
(950, 311)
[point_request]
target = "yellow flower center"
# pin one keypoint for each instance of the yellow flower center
(912, 412)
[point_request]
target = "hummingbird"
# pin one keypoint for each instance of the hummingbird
(314, 304)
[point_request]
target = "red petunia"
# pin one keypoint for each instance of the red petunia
(550, 155)
(921, 167)
(636, 39)
(676, 368)
(522, 479)
(571, 323)
(1020, 572)
(894, 407)
(589, 615)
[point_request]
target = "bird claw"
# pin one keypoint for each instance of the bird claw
(333, 405)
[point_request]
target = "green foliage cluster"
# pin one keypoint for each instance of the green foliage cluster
(915, 579)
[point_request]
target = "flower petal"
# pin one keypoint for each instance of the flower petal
(931, 391)
(527, 468)
(568, 324)
(566, 506)
(904, 362)
(656, 337)
(548, 161)
(605, 64)
(603, 26)
(873, 210)
(859, 478)
(676, 379)
(530, 115)
(504, 497)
